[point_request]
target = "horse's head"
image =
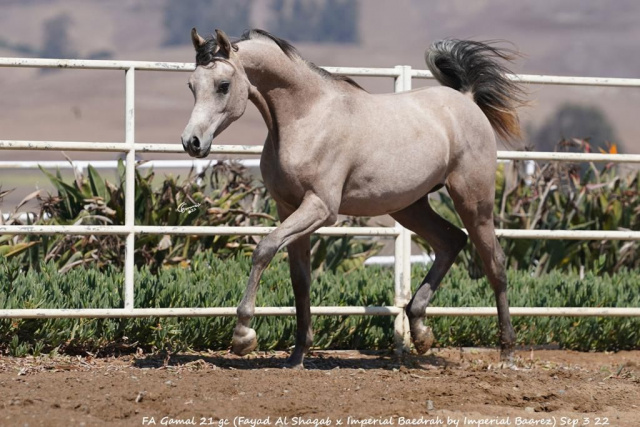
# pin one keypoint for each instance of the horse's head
(221, 89)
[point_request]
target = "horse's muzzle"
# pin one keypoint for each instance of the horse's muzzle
(194, 147)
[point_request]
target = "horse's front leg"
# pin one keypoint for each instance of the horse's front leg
(312, 214)
(300, 266)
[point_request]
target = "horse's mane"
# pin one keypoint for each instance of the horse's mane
(205, 54)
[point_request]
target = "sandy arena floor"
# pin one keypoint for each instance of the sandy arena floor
(446, 387)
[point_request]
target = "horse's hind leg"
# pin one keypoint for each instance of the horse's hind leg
(474, 202)
(446, 240)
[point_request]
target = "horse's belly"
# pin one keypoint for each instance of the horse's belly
(375, 206)
(383, 195)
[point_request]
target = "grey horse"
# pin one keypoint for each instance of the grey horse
(333, 148)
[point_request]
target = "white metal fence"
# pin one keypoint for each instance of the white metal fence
(402, 76)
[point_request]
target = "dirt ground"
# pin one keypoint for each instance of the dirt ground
(445, 387)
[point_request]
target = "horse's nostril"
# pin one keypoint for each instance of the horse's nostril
(196, 142)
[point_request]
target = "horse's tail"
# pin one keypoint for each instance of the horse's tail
(470, 66)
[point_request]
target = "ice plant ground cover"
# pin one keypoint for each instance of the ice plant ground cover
(210, 281)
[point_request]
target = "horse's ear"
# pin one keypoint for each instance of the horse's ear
(224, 43)
(196, 39)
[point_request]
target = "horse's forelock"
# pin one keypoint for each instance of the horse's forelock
(206, 52)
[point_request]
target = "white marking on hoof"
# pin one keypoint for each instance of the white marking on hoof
(244, 341)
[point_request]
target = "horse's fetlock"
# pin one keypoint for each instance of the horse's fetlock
(308, 340)
(244, 314)
(508, 338)
(414, 313)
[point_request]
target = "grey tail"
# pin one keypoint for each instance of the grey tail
(472, 67)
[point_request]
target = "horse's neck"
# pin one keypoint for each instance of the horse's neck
(263, 107)
(285, 86)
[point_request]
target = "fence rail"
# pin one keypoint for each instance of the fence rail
(316, 311)
(324, 231)
(402, 76)
(256, 150)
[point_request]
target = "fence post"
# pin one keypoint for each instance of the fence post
(130, 187)
(402, 265)
(199, 169)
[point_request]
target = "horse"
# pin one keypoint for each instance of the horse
(333, 148)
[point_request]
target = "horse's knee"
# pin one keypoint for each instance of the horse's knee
(264, 252)
(323, 212)
(330, 219)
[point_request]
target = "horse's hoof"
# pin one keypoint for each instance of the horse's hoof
(293, 364)
(423, 339)
(507, 357)
(244, 341)
(294, 361)
(507, 365)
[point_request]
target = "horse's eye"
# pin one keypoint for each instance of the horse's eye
(223, 87)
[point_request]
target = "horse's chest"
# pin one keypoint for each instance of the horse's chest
(286, 180)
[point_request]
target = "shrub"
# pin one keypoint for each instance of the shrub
(223, 194)
(559, 197)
